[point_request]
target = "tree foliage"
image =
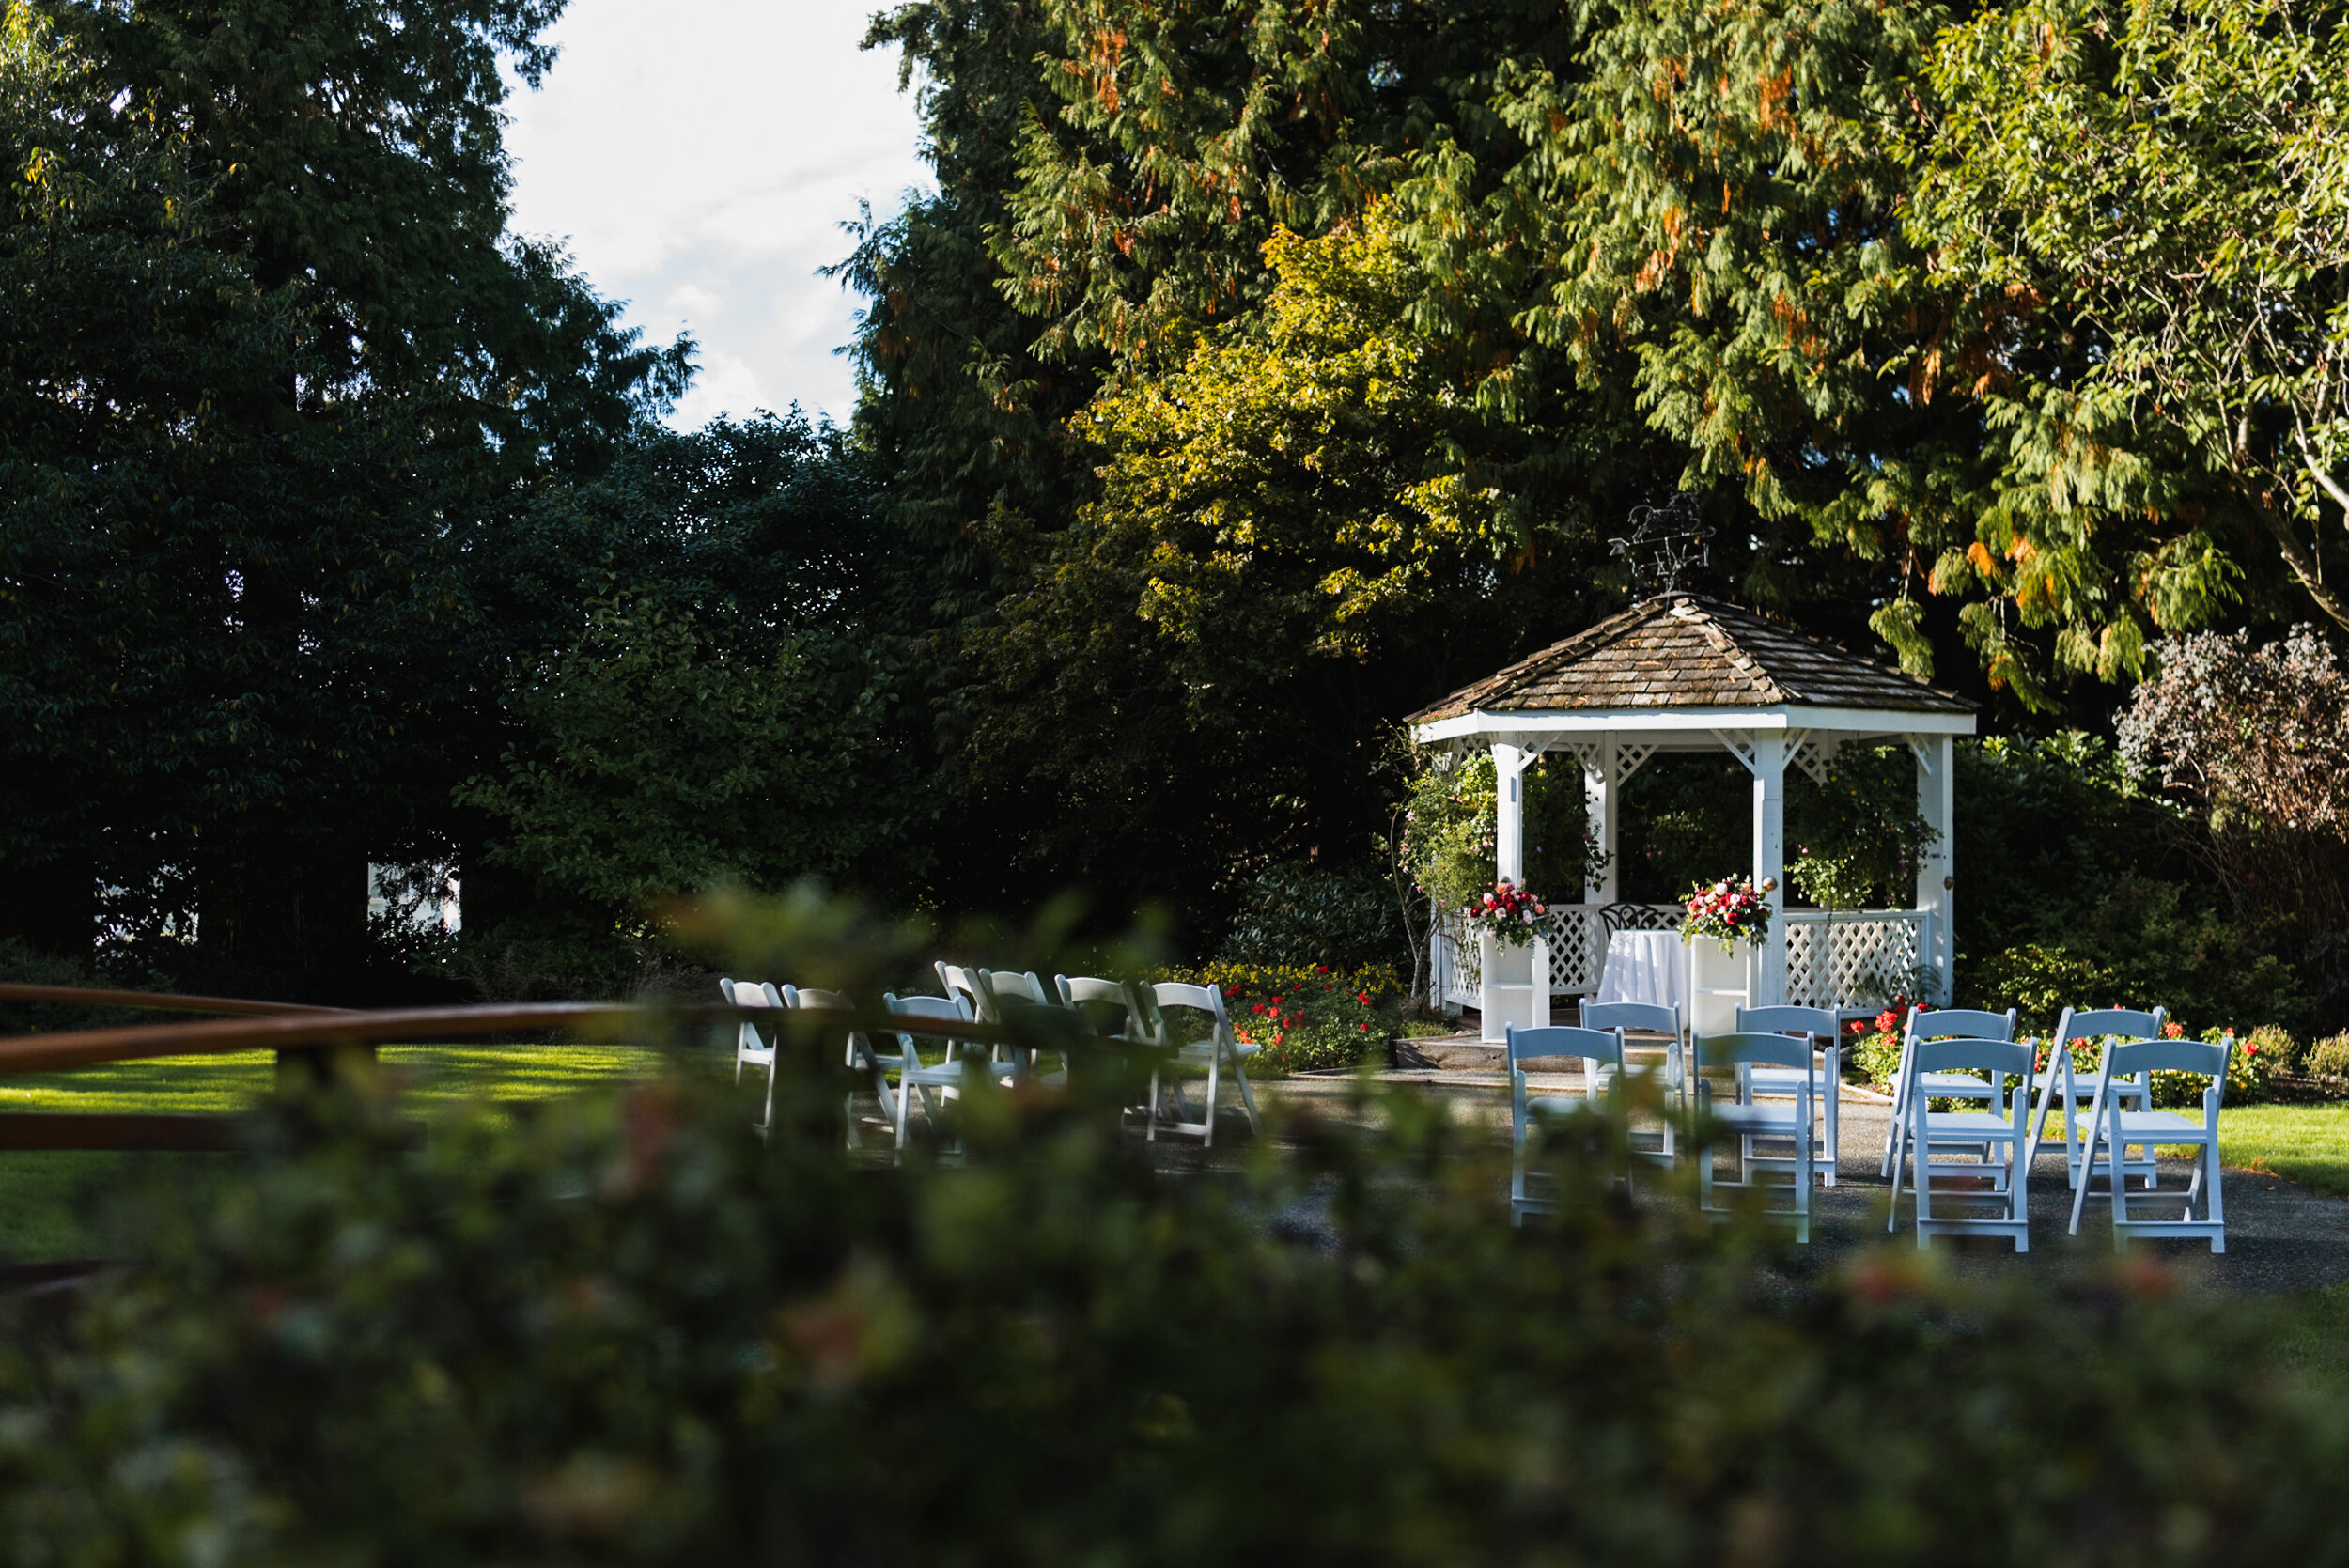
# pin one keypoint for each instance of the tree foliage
(2167, 183)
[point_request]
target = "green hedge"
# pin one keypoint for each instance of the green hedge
(626, 1331)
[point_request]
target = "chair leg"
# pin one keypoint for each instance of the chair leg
(2116, 1162)
(1247, 1097)
(1835, 1133)
(1921, 1182)
(1802, 1179)
(1152, 1136)
(1214, 1078)
(2216, 1203)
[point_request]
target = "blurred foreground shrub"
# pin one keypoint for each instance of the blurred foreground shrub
(626, 1332)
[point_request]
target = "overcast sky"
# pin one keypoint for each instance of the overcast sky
(698, 157)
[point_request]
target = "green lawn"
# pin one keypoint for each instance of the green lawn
(66, 1205)
(2299, 1143)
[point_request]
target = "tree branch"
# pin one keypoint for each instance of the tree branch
(2317, 471)
(2303, 565)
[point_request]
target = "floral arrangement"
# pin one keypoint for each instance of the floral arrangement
(1508, 912)
(1727, 912)
(1307, 1018)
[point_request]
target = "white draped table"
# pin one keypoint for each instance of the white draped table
(1647, 965)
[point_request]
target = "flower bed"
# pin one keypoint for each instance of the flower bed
(1875, 1054)
(1307, 1019)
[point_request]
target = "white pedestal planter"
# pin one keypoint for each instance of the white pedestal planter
(1516, 985)
(1718, 983)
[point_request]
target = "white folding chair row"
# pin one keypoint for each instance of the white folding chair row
(2113, 1129)
(1817, 1027)
(1603, 1069)
(1757, 1121)
(2063, 1092)
(1951, 1023)
(1995, 1181)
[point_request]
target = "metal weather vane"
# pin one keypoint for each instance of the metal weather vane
(1665, 541)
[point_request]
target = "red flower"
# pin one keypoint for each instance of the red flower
(2173, 1029)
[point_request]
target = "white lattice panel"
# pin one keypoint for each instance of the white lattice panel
(1455, 969)
(1854, 958)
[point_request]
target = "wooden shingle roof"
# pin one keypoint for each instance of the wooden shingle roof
(1682, 651)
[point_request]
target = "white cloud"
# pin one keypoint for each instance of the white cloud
(698, 157)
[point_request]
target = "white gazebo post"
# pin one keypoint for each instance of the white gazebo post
(1509, 764)
(1514, 981)
(1768, 983)
(1936, 802)
(1602, 810)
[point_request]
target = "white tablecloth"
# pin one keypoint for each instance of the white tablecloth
(1647, 965)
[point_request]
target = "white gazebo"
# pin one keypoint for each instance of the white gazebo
(1678, 673)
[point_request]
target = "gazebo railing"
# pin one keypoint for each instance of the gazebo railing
(1859, 955)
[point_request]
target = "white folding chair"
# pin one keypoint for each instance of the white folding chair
(931, 1083)
(956, 981)
(2113, 1129)
(2005, 1186)
(1819, 1026)
(1949, 1023)
(1007, 994)
(1755, 1121)
(1137, 1021)
(751, 1048)
(1219, 1053)
(1667, 1075)
(1601, 1051)
(2063, 1090)
(855, 1053)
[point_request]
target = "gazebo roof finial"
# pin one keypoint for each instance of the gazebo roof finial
(1665, 541)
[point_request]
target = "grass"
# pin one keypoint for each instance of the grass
(68, 1203)
(2308, 1143)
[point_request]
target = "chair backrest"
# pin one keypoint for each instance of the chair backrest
(1970, 1054)
(750, 993)
(954, 980)
(1960, 1023)
(1175, 993)
(1603, 1046)
(812, 995)
(1814, 1022)
(1759, 1049)
(1075, 988)
(1650, 1015)
(1095, 998)
(2104, 1023)
(1637, 917)
(1204, 998)
(955, 1008)
(1005, 986)
(2168, 1056)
